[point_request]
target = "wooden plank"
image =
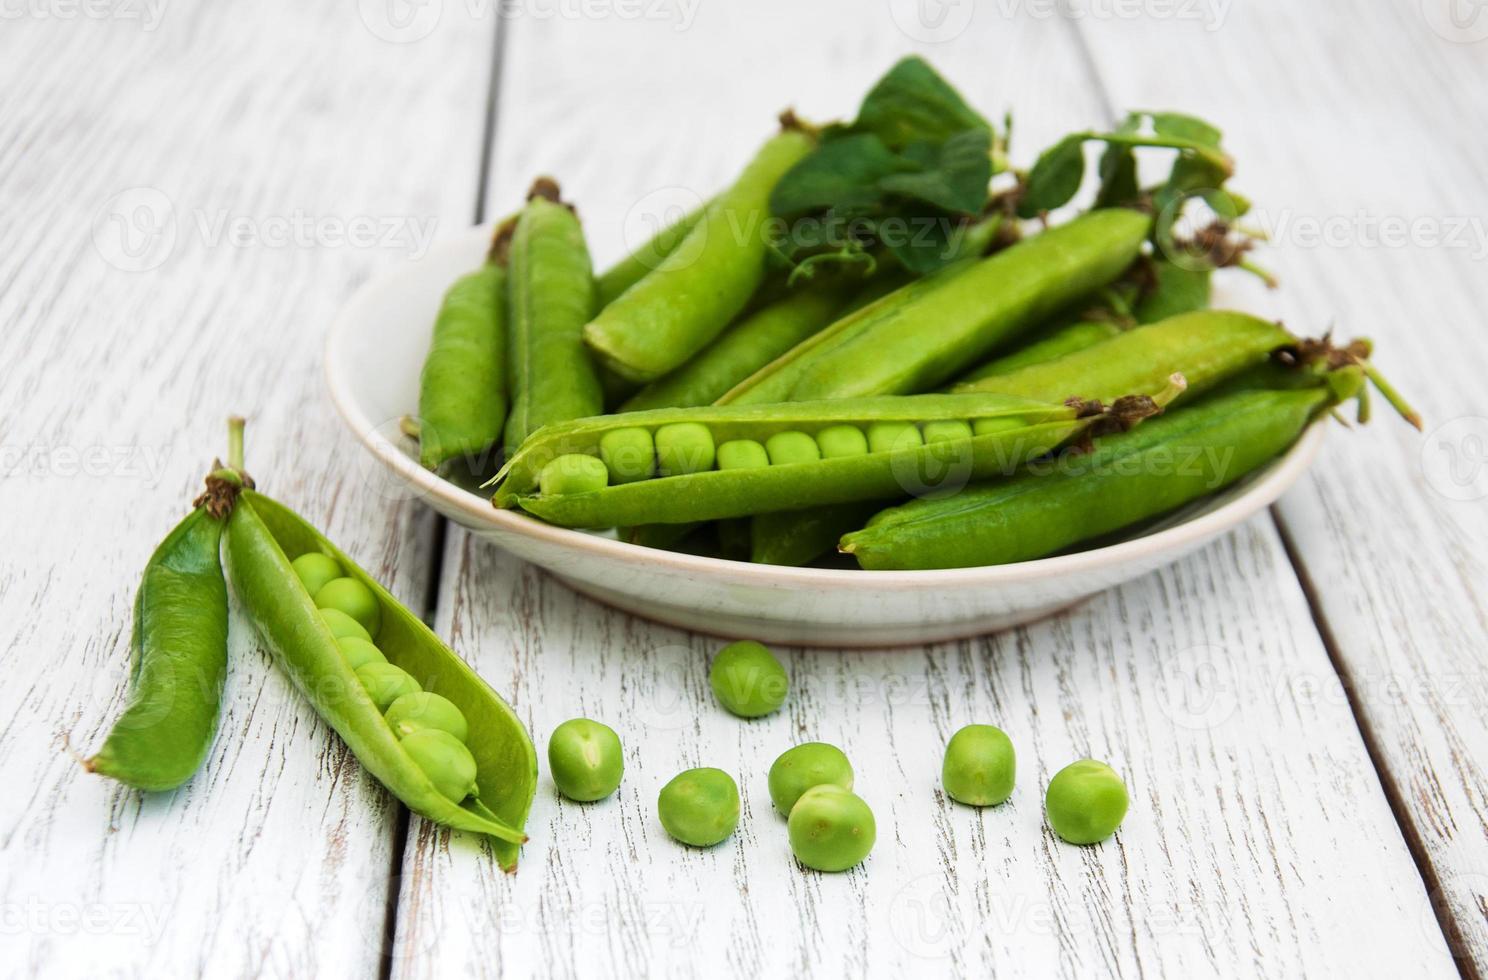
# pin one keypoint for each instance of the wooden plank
(1374, 194)
(1260, 841)
(119, 372)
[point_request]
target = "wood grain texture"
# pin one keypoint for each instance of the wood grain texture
(1260, 843)
(119, 371)
(1360, 139)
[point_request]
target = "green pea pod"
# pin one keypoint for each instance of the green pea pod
(741, 350)
(261, 536)
(1015, 430)
(179, 660)
(550, 288)
(659, 323)
(1206, 347)
(462, 388)
(957, 320)
(1125, 479)
(638, 264)
(1066, 338)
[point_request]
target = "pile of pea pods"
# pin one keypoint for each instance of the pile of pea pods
(741, 388)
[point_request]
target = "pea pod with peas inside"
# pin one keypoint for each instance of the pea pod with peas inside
(550, 291)
(671, 313)
(696, 464)
(481, 779)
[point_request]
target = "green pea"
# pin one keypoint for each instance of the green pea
(985, 427)
(841, 440)
(354, 599)
(630, 454)
(573, 473)
(885, 437)
(386, 683)
(947, 430)
(586, 759)
(792, 447)
(1085, 802)
(359, 652)
(341, 625)
(426, 710)
(804, 766)
(445, 760)
(831, 828)
(979, 766)
(684, 447)
(742, 454)
(747, 679)
(315, 570)
(699, 807)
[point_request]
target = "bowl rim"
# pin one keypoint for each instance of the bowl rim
(1266, 486)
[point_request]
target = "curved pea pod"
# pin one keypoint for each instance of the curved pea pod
(550, 290)
(954, 321)
(462, 388)
(261, 534)
(664, 319)
(1014, 430)
(1207, 347)
(741, 350)
(1067, 338)
(178, 662)
(635, 266)
(1126, 478)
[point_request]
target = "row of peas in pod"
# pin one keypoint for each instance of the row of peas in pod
(431, 728)
(632, 454)
(830, 827)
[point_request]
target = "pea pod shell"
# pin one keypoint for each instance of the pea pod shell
(550, 291)
(462, 388)
(260, 535)
(672, 313)
(179, 659)
(1160, 465)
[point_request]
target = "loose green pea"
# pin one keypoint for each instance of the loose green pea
(747, 679)
(1085, 802)
(986, 427)
(742, 454)
(792, 447)
(341, 625)
(630, 454)
(947, 430)
(586, 759)
(886, 437)
(426, 710)
(359, 652)
(573, 473)
(831, 828)
(445, 760)
(354, 599)
(699, 807)
(979, 766)
(315, 570)
(684, 447)
(386, 683)
(841, 440)
(804, 766)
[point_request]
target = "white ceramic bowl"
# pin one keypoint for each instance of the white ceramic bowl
(373, 354)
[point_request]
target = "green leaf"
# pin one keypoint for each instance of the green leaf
(914, 103)
(844, 173)
(1179, 126)
(955, 178)
(1055, 177)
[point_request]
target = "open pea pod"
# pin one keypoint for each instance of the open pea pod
(262, 538)
(1000, 432)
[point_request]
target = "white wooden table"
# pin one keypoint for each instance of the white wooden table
(189, 190)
